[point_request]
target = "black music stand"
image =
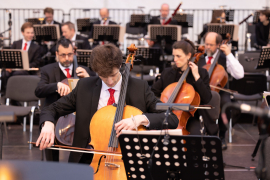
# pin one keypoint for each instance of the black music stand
(229, 15)
(83, 57)
(264, 59)
(185, 21)
(185, 157)
(46, 32)
(223, 29)
(5, 117)
(85, 25)
(111, 33)
(164, 35)
(13, 59)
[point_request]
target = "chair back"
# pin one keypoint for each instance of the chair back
(22, 88)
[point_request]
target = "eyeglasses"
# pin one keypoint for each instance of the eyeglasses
(65, 55)
(211, 45)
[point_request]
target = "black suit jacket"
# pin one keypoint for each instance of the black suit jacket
(261, 39)
(84, 100)
(84, 45)
(33, 52)
(156, 20)
(50, 76)
(170, 75)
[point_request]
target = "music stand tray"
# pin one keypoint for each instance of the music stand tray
(264, 58)
(184, 20)
(14, 58)
(112, 33)
(83, 57)
(223, 29)
(45, 32)
(85, 24)
(185, 157)
(173, 32)
(139, 20)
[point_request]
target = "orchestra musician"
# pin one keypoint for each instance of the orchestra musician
(229, 63)
(104, 20)
(262, 29)
(25, 44)
(161, 20)
(198, 77)
(50, 86)
(48, 13)
(93, 93)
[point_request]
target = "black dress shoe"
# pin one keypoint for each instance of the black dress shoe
(223, 144)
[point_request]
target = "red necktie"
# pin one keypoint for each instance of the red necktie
(209, 60)
(163, 21)
(25, 46)
(104, 22)
(68, 75)
(111, 99)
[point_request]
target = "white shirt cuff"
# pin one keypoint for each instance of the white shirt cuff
(148, 121)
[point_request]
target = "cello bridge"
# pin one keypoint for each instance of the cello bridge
(112, 165)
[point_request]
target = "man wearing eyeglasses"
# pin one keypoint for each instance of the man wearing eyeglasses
(213, 44)
(50, 86)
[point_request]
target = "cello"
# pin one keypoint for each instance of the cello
(64, 129)
(218, 75)
(103, 134)
(182, 92)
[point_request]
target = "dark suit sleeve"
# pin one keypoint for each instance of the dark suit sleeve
(159, 85)
(259, 37)
(45, 88)
(156, 117)
(36, 58)
(86, 44)
(13, 46)
(202, 86)
(64, 106)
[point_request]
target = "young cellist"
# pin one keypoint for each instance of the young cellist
(183, 51)
(94, 93)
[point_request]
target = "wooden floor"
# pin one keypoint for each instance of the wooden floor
(239, 152)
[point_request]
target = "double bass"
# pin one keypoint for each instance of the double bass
(103, 134)
(182, 92)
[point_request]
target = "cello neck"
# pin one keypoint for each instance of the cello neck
(179, 83)
(120, 105)
(75, 66)
(213, 65)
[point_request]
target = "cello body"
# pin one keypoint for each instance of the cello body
(219, 76)
(111, 167)
(186, 95)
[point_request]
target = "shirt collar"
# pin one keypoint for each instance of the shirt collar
(117, 87)
(63, 68)
(214, 55)
(28, 42)
(74, 37)
(50, 23)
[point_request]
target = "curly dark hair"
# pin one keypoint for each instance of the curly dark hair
(104, 58)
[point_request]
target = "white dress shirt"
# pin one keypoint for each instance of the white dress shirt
(63, 69)
(233, 66)
(106, 23)
(105, 95)
(73, 39)
(49, 23)
(28, 44)
(161, 20)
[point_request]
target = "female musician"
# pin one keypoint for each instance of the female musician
(262, 29)
(197, 77)
(94, 93)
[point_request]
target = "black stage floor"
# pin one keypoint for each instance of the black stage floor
(239, 152)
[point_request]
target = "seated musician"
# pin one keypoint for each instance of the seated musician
(93, 93)
(183, 51)
(104, 20)
(28, 45)
(161, 19)
(68, 30)
(50, 86)
(230, 64)
(262, 29)
(48, 13)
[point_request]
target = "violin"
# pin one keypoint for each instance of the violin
(218, 75)
(103, 134)
(182, 92)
